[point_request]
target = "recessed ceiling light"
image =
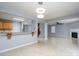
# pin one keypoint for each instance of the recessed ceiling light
(40, 16)
(40, 10)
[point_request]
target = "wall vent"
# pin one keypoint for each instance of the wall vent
(40, 3)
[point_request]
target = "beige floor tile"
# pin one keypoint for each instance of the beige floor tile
(51, 47)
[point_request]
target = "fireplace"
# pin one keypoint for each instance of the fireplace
(74, 35)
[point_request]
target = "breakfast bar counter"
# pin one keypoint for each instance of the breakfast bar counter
(17, 40)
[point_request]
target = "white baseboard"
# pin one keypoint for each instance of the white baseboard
(18, 46)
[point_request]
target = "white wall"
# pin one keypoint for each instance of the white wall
(63, 30)
(16, 27)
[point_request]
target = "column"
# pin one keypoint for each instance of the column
(46, 31)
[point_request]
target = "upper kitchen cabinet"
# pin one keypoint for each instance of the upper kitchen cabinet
(6, 25)
(0, 25)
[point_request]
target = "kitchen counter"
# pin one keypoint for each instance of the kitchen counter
(15, 33)
(17, 39)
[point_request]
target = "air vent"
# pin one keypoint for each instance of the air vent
(40, 3)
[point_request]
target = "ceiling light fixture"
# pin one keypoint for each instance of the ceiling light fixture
(40, 10)
(40, 16)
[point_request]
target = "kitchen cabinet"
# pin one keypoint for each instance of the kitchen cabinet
(0, 25)
(6, 25)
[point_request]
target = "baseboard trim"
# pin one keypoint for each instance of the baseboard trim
(18, 46)
(59, 37)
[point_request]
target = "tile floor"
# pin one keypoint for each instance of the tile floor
(50, 47)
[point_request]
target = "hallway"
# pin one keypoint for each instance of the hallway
(51, 47)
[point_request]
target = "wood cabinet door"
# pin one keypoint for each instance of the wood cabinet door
(0, 25)
(10, 26)
(7, 26)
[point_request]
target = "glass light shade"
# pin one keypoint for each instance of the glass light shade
(40, 16)
(40, 10)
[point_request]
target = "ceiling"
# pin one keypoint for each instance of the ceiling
(54, 10)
